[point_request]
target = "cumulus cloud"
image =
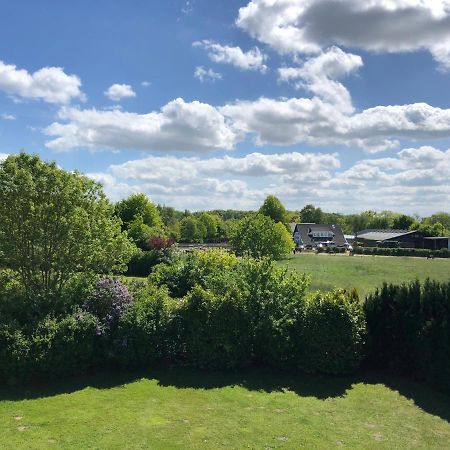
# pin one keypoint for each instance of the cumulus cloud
(50, 84)
(307, 26)
(416, 178)
(312, 121)
(251, 60)
(6, 116)
(178, 126)
(206, 75)
(117, 92)
(319, 74)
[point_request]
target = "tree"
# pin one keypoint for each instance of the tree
(311, 214)
(402, 222)
(211, 224)
(138, 205)
(260, 236)
(54, 224)
(273, 208)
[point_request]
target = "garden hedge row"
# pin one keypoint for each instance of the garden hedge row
(420, 252)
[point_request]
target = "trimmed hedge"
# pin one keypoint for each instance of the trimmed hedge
(409, 329)
(419, 252)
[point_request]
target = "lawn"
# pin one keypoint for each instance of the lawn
(180, 408)
(366, 272)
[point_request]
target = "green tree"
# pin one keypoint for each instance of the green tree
(260, 236)
(138, 205)
(402, 222)
(54, 224)
(211, 224)
(273, 208)
(192, 230)
(311, 214)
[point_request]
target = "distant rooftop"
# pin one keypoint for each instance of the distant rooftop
(382, 235)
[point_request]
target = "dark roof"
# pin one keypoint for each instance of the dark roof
(307, 230)
(382, 235)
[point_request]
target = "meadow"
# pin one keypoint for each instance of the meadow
(182, 408)
(365, 273)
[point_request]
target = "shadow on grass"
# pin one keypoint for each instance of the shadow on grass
(255, 379)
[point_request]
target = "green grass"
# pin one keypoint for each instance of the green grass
(365, 272)
(179, 408)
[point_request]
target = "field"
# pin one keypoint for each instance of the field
(365, 273)
(179, 408)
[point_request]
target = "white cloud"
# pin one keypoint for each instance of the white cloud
(195, 126)
(307, 26)
(318, 75)
(413, 180)
(251, 60)
(312, 121)
(146, 83)
(50, 84)
(117, 92)
(206, 75)
(6, 116)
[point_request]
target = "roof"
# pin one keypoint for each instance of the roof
(382, 235)
(306, 231)
(436, 238)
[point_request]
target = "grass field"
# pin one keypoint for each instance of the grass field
(366, 272)
(178, 408)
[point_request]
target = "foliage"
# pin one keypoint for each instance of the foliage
(54, 224)
(192, 230)
(216, 329)
(211, 224)
(260, 236)
(138, 205)
(273, 208)
(418, 252)
(330, 334)
(108, 302)
(409, 328)
(143, 334)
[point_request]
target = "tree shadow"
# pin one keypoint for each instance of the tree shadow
(253, 379)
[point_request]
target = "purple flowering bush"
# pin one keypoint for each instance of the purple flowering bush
(108, 302)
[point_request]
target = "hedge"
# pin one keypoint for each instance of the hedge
(409, 329)
(419, 252)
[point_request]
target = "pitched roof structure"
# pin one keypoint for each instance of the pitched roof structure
(382, 235)
(311, 233)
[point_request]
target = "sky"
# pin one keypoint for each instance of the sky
(205, 105)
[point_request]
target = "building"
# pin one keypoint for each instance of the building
(312, 234)
(400, 238)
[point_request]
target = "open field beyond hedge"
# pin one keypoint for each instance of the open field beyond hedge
(180, 408)
(365, 273)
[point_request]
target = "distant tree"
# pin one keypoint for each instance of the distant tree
(138, 205)
(192, 230)
(311, 214)
(260, 236)
(273, 208)
(402, 222)
(211, 224)
(55, 224)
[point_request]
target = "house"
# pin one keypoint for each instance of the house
(400, 238)
(312, 234)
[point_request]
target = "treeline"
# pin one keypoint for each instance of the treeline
(142, 219)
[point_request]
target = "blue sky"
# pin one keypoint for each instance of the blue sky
(201, 105)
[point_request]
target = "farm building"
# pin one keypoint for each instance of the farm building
(400, 238)
(312, 234)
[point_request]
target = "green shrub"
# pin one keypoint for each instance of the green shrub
(144, 332)
(14, 353)
(409, 329)
(65, 346)
(418, 252)
(216, 329)
(330, 334)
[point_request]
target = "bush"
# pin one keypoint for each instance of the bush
(330, 334)
(216, 329)
(14, 353)
(108, 302)
(144, 332)
(65, 346)
(418, 252)
(184, 272)
(142, 263)
(409, 329)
